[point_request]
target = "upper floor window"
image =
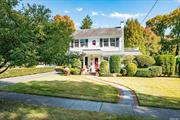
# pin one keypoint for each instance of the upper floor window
(112, 42)
(94, 42)
(106, 42)
(76, 42)
(84, 42)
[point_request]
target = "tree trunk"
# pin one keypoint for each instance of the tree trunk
(4, 70)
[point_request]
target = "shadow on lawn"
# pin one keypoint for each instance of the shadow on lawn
(158, 101)
(5, 83)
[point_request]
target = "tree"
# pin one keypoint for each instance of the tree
(58, 32)
(86, 23)
(134, 36)
(151, 42)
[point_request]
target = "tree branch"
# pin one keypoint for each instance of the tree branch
(3, 64)
(4, 70)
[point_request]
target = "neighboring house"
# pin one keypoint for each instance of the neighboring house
(100, 43)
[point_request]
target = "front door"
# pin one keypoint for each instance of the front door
(96, 65)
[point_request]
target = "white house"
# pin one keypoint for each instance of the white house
(100, 43)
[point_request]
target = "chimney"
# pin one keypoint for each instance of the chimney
(122, 24)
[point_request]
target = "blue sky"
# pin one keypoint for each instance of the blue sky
(106, 13)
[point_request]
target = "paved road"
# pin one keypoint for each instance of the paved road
(13, 80)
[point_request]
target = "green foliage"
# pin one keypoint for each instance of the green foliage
(86, 23)
(156, 71)
(75, 71)
(13, 72)
(131, 69)
(123, 72)
(106, 75)
(144, 61)
(134, 36)
(143, 72)
(104, 67)
(168, 64)
(114, 64)
(76, 63)
(127, 59)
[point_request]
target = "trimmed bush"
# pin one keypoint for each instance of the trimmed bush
(144, 61)
(177, 65)
(179, 69)
(76, 63)
(127, 59)
(104, 69)
(168, 64)
(143, 72)
(156, 71)
(123, 72)
(75, 71)
(107, 75)
(131, 69)
(114, 64)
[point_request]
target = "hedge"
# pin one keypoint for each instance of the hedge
(114, 63)
(144, 61)
(127, 59)
(143, 72)
(75, 71)
(123, 72)
(104, 67)
(167, 62)
(131, 69)
(156, 71)
(76, 63)
(14, 72)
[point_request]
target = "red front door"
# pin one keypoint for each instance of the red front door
(96, 63)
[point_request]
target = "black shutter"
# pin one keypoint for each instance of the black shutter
(101, 42)
(117, 42)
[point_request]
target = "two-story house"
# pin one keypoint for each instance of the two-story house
(100, 43)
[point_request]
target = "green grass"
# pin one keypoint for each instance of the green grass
(156, 92)
(70, 89)
(14, 72)
(11, 110)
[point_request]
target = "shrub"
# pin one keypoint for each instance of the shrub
(74, 71)
(66, 71)
(179, 69)
(107, 75)
(155, 71)
(131, 69)
(144, 61)
(59, 69)
(177, 64)
(123, 72)
(76, 63)
(168, 64)
(104, 69)
(143, 72)
(114, 64)
(128, 59)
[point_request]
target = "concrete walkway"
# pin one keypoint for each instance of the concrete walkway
(127, 105)
(13, 80)
(163, 114)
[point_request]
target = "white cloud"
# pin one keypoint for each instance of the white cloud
(79, 9)
(102, 14)
(66, 11)
(178, 1)
(125, 15)
(94, 13)
(77, 25)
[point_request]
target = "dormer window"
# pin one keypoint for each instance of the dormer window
(94, 42)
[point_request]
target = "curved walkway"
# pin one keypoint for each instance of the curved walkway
(126, 106)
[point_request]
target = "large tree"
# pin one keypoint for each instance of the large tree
(86, 23)
(134, 36)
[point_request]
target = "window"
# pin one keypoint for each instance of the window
(72, 44)
(76, 43)
(106, 42)
(117, 42)
(93, 42)
(101, 42)
(112, 42)
(83, 42)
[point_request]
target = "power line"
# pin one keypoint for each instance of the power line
(149, 11)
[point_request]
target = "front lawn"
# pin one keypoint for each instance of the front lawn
(14, 72)
(80, 89)
(11, 110)
(157, 92)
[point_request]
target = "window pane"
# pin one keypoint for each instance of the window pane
(117, 42)
(82, 42)
(86, 42)
(112, 42)
(106, 42)
(76, 43)
(101, 42)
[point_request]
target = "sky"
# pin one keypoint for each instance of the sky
(106, 13)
